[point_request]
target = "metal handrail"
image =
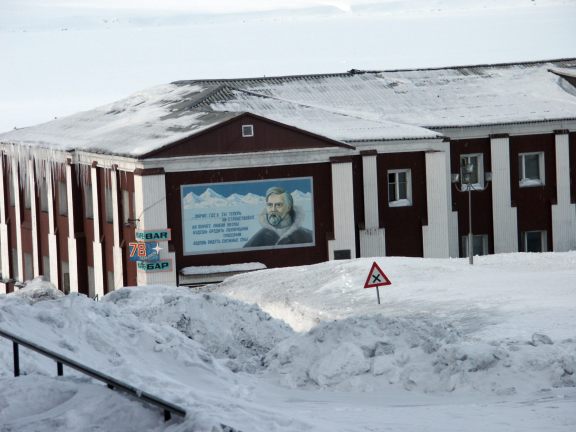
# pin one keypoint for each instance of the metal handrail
(112, 383)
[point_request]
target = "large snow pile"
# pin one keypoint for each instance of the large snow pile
(228, 329)
(497, 327)
(422, 354)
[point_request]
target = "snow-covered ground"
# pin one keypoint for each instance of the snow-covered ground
(61, 57)
(452, 347)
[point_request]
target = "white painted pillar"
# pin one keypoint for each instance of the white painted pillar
(117, 249)
(97, 244)
(505, 220)
(4, 251)
(34, 213)
(72, 244)
(18, 222)
(150, 205)
(563, 212)
(343, 208)
(52, 238)
(372, 237)
(436, 235)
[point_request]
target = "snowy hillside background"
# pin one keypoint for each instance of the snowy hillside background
(452, 347)
(61, 57)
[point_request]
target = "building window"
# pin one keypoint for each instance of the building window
(127, 215)
(399, 188)
(46, 267)
(479, 245)
(247, 131)
(91, 281)
(43, 196)
(65, 273)
(472, 171)
(62, 199)
(531, 169)
(28, 198)
(534, 241)
(109, 210)
(110, 281)
(11, 195)
(16, 275)
(28, 272)
(88, 203)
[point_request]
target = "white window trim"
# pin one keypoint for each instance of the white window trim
(480, 184)
(405, 202)
(524, 182)
(247, 130)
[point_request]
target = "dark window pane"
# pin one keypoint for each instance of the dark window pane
(391, 192)
(534, 241)
(532, 170)
(402, 190)
(478, 245)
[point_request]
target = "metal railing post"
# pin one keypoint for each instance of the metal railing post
(16, 357)
(60, 368)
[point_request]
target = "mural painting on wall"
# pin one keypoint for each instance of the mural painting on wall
(249, 215)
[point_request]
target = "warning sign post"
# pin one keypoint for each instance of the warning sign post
(376, 278)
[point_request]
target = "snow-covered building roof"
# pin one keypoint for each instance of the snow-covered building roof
(349, 107)
(434, 98)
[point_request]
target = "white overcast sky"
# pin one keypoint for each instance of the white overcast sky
(64, 56)
(211, 6)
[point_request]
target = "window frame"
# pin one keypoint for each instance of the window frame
(464, 245)
(531, 182)
(543, 240)
(401, 202)
(247, 130)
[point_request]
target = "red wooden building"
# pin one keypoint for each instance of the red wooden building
(366, 162)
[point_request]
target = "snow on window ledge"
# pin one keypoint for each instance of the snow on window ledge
(400, 203)
(531, 183)
(230, 268)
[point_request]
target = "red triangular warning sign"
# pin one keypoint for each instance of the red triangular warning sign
(376, 277)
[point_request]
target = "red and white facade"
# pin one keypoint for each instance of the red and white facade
(68, 212)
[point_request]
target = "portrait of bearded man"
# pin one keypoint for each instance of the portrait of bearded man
(281, 222)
